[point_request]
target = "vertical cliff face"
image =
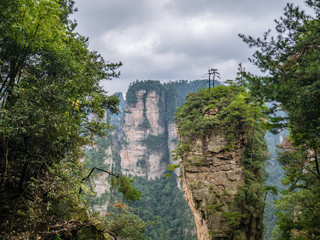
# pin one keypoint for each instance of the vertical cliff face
(222, 152)
(144, 149)
(211, 179)
(149, 132)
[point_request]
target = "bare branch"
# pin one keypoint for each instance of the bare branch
(99, 169)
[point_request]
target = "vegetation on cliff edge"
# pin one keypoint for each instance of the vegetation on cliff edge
(232, 111)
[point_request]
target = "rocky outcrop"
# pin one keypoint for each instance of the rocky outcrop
(144, 150)
(212, 176)
(222, 150)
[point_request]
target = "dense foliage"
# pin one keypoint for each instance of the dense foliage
(51, 105)
(163, 205)
(291, 61)
(249, 197)
(228, 108)
(161, 212)
(123, 222)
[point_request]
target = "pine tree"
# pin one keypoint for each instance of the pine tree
(292, 81)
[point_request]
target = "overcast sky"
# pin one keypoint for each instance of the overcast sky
(174, 39)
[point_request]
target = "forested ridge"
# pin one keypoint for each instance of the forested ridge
(52, 107)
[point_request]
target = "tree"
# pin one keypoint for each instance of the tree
(51, 105)
(291, 63)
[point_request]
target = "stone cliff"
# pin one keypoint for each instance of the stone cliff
(222, 156)
(145, 150)
(211, 179)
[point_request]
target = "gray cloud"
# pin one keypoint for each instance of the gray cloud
(231, 8)
(174, 39)
(97, 16)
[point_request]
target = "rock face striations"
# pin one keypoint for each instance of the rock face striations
(221, 170)
(144, 150)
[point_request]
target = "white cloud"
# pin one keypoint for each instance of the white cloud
(174, 39)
